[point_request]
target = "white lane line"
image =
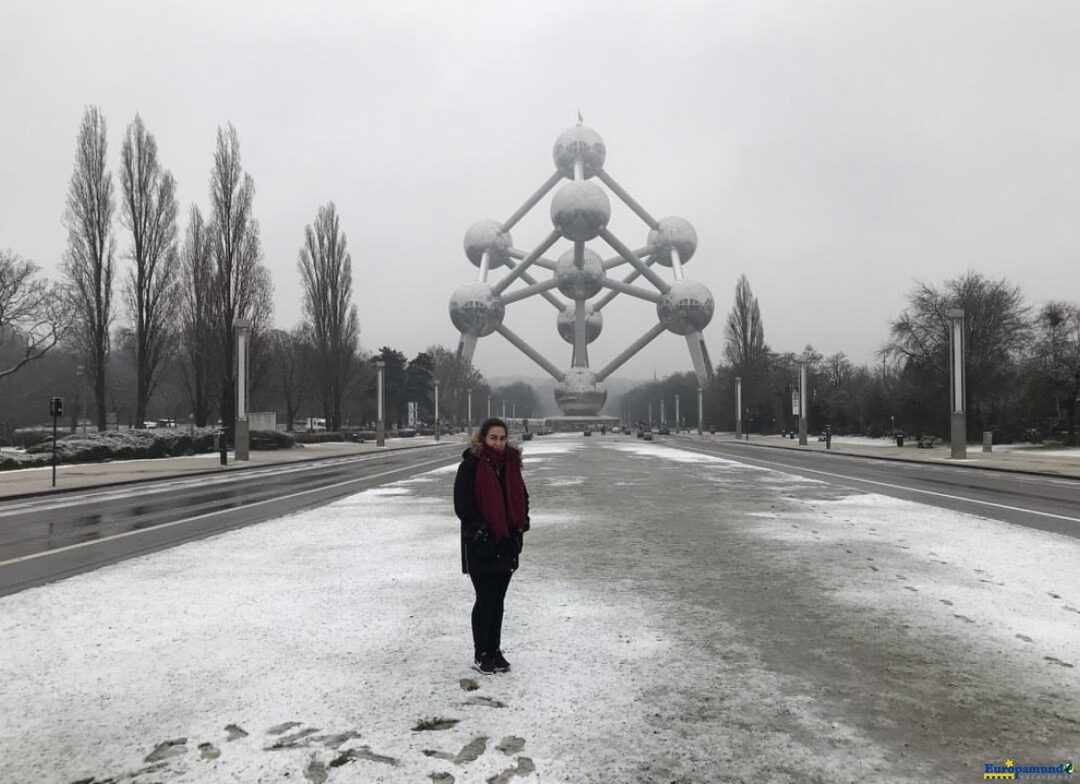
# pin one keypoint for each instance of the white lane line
(46, 553)
(129, 491)
(790, 469)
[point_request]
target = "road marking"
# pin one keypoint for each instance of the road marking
(32, 556)
(791, 468)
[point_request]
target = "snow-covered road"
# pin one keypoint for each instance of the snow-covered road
(677, 618)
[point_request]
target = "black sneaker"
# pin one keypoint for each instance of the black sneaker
(500, 663)
(483, 663)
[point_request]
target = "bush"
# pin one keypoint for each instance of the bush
(26, 437)
(128, 445)
(270, 439)
(95, 447)
(321, 437)
(10, 462)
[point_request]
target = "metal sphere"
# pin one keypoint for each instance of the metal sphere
(686, 307)
(579, 282)
(475, 309)
(579, 393)
(567, 320)
(579, 142)
(673, 233)
(487, 235)
(580, 210)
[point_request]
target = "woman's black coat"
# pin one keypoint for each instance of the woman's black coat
(480, 553)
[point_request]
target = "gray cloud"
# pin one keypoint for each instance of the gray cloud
(832, 151)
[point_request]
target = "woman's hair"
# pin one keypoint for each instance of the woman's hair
(490, 423)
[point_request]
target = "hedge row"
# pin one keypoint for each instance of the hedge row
(134, 445)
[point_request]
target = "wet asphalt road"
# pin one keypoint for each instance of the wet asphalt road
(1042, 502)
(45, 539)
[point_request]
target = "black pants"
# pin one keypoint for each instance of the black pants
(487, 613)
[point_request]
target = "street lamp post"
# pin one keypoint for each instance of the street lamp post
(380, 424)
(678, 422)
(957, 383)
(802, 403)
(468, 413)
(80, 410)
(738, 406)
(700, 411)
(241, 434)
(437, 436)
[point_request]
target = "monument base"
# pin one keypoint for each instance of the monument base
(571, 424)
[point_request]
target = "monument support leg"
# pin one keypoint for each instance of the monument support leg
(697, 356)
(466, 347)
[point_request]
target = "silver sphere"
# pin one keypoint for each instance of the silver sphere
(673, 233)
(579, 393)
(580, 210)
(579, 142)
(579, 282)
(567, 320)
(475, 309)
(686, 307)
(487, 235)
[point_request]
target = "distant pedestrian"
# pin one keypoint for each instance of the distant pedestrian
(492, 503)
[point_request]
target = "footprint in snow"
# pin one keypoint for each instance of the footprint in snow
(524, 767)
(280, 728)
(363, 753)
(167, 750)
(511, 745)
(486, 702)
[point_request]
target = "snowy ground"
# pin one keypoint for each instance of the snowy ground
(677, 618)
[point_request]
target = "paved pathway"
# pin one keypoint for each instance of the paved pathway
(1024, 460)
(29, 481)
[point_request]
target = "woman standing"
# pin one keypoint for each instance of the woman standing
(492, 503)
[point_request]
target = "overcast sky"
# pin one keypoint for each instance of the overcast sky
(833, 151)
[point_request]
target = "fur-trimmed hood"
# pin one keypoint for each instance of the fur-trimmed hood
(475, 445)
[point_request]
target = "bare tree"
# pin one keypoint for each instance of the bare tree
(88, 262)
(330, 316)
(996, 333)
(241, 287)
(32, 313)
(149, 213)
(291, 352)
(196, 318)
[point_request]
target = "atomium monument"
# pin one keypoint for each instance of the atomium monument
(580, 211)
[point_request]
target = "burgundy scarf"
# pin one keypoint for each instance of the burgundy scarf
(507, 513)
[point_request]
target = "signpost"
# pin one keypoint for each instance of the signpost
(56, 410)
